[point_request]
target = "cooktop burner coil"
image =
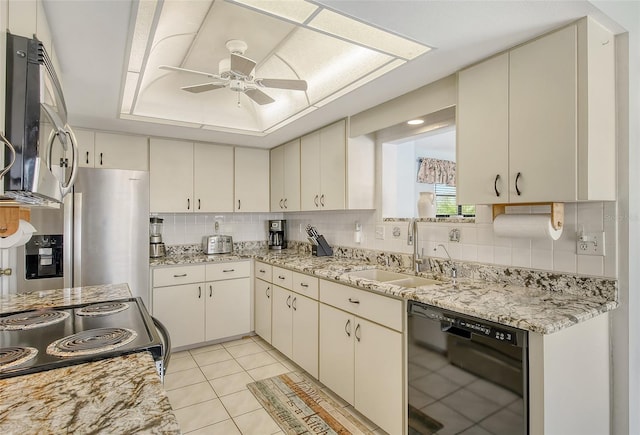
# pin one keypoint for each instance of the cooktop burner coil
(32, 319)
(91, 341)
(14, 356)
(102, 309)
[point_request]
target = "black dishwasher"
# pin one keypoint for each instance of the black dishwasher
(466, 375)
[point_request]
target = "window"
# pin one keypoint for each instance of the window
(446, 203)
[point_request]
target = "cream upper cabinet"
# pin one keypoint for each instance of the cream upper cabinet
(120, 151)
(333, 166)
(171, 176)
(551, 104)
(285, 177)
(23, 17)
(86, 140)
(212, 178)
(310, 186)
(188, 177)
(251, 180)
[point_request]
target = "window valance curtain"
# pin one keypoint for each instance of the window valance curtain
(436, 171)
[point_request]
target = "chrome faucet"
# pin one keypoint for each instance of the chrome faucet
(412, 239)
(454, 270)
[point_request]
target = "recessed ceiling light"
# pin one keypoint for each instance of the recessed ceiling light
(415, 122)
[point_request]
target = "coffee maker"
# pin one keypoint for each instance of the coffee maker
(156, 246)
(277, 234)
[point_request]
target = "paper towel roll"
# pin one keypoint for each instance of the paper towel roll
(20, 237)
(525, 226)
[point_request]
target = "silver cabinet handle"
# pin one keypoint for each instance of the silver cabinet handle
(322, 200)
(304, 285)
(182, 275)
(199, 292)
(289, 301)
(356, 333)
(210, 291)
(495, 184)
(266, 292)
(354, 301)
(517, 188)
(315, 200)
(293, 304)
(348, 325)
(228, 270)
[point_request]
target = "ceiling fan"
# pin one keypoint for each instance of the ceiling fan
(236, 74)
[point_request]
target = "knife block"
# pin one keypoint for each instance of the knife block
(322, 249)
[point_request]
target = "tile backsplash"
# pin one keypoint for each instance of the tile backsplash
(477, 241)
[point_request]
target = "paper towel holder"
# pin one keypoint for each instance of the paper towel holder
(10, 219)
(557, 211)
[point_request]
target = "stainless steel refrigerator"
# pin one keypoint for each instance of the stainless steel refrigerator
(105, 227)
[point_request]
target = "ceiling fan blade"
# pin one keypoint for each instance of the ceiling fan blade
(241, 65)
(258, 96)
(196, 89)
(294, 85)
(178, 69)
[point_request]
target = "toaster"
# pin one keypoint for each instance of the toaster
(217, 244)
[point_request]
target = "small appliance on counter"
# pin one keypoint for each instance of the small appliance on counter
(217, 244)
(43, 257)
(277, 234)
(320, 247)
(156, 246)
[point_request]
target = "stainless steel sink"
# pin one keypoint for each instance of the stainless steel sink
(378, 275)
(395, 278)
(413, 282)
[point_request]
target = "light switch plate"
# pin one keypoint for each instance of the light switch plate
(590, 244)
(380, 232)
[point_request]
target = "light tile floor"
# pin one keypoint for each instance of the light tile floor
(207, 388)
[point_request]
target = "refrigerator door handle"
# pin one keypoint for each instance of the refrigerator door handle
(77, 239)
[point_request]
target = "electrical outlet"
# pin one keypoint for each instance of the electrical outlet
(380, 232)
(590, 244)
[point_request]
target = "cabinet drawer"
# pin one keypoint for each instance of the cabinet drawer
(166, 276)
(218, 271)
(305, 285)
(282, 277)
(263, 271)
(377, 308)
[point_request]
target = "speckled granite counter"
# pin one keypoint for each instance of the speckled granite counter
(536, 301)
(115, 395)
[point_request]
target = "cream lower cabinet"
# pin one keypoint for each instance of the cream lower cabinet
(262, 314)
(360, 359)
(294, 325)
(214, 302)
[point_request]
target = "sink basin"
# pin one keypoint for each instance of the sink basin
(413, 282)
(378, 275)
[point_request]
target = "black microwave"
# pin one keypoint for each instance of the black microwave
(36, 125)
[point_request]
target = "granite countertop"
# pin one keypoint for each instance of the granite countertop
(115, 395)
(546, 303)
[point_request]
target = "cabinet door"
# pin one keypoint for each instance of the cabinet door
(262, 309)
(542, 132)
(86, 147)
(336, 351)
(251, 180)
(310, 172)
(23, 18)
(276, 161)
(181, 309)
(171, 176)
(281, 320)
(379, 350)
(305, 333)
(120, 151)
(292, 176)
(213, 178)
(482, 122)
(228, 311)
(333, 166)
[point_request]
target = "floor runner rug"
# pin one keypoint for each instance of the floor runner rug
(299, 406)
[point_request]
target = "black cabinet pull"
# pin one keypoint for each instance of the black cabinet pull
(322, 200)
(293, 304)
(281, 203)
(199, 292)
(87, 157)
(348, 325)
(304, 285)
(238, 204)
(100, 159)
(210, 291)
(198, 203)
(354, 301)
(285, 203)
(495, 184)
(228, 270)
(188, 204)
(517, 178)
(182, 275)
(315, 200)
(289, 301)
